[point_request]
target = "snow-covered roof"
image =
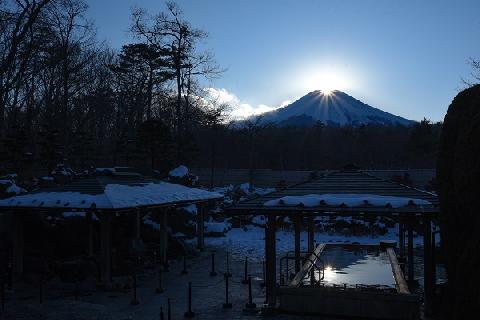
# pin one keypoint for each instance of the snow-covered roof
(343, 192)
(110, 193)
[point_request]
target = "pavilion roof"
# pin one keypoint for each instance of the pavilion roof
(116, 192)
(343, 193)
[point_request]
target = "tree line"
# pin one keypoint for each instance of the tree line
(318, 147)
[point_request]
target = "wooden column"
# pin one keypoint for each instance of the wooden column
(401, 238)
(200, 226)
(106, 248)
(164, 238)
(90, 233)
(427, 265)
(411, 276)
(137, 225)
(270, 258)
(18, 243)
(311, 234)
(297, 220)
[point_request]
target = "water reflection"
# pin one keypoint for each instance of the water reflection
(356, 266)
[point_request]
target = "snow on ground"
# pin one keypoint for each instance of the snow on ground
(148, 221)
(250, 240)
(179, 172)
(349, 200)
(115, 196)
(11, 187)
(216, 227)
(191, 209)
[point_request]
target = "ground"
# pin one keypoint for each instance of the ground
(208, 293)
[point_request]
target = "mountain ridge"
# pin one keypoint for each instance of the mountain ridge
(336, 109)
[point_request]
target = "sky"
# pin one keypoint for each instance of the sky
(405, 57)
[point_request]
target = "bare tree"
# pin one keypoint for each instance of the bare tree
(174, 37)
(17, 42)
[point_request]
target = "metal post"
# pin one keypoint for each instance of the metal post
(134, 300)
(297, 226)
(270, 252)
(161, 314)
(189, 313)
(245, 272)
(227, 262)
(213, 273)
(184, 271)
(200, 227)
(250, 304)
(227, 304)
(159, 288)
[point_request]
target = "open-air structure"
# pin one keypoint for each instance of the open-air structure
(349, 192)
(105, 197)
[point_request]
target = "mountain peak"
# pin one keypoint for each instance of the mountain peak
(332, 108)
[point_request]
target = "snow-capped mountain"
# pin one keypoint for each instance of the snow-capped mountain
(336, 108)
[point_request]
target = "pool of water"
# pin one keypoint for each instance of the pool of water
(355, 266)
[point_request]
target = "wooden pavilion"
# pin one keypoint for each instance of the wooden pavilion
(349, 182)
(106, 196)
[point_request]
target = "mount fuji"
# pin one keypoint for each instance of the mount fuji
(335, 108)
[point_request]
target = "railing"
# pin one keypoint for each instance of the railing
(312, 264)
(288, 265)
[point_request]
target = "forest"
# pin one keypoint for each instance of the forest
(67, 97)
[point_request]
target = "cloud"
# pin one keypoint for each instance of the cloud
(239, 109)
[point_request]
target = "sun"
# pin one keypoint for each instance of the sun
(326, 80)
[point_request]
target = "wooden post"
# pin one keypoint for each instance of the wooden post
(164, 237)
(311, 234)
(411, 276)
(401, 238)
(427, 265)
(200, 227)
(137, 225)
(90, 233)
(18, 243)
(106, 248)
(270, 258)
(297, 225)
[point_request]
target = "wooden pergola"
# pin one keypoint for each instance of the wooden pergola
(107, 196)
(351, 182)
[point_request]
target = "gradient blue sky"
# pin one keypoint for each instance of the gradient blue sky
(405, 57)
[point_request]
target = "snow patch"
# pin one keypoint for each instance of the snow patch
(148, 221)
(179, 172)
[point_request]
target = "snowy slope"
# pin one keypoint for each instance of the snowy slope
(337, 108)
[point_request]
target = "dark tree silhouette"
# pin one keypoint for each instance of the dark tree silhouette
(458, 176)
